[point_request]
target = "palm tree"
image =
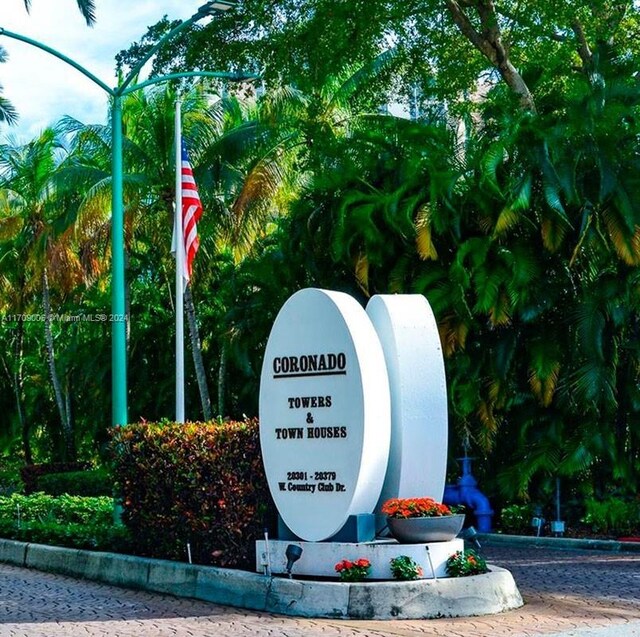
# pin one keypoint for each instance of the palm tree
(552, 264)
(36, 222)
(149, 186)
(149, 127)
(8, 113)
(524, 236)
(12, 287)
(237, 159)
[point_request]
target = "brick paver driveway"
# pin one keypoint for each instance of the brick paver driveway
(563, 591)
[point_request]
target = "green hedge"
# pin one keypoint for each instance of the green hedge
(33, 473)
(201, 484)
(66, 508)
(72, 521)
(92, 483)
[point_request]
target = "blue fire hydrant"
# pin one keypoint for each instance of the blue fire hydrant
(466, 493)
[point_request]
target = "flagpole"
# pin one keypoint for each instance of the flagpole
(178, 233)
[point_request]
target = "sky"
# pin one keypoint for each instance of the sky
(43, 88)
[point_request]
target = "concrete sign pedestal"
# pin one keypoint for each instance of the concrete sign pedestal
(318, 559)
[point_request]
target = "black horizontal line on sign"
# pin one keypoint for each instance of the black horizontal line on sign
(339, 373)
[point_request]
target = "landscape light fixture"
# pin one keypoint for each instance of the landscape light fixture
(470, 535)
(292, 554)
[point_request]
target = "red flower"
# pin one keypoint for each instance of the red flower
(353, 571)
(414, 508)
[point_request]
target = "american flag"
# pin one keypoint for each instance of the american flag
(191, 213)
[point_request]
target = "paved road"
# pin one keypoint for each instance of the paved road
(568, 593)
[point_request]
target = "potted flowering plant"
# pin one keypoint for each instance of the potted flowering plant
(405, 568)
(464, 563)
(419, 520)
(354, 571)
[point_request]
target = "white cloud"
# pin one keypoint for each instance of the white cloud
(43, 88)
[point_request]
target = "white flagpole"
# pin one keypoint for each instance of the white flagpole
(179, 235)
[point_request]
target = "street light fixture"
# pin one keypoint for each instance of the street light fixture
(210, 8)
(118, 309)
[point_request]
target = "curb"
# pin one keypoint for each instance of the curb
(560, 543)
(493, 592)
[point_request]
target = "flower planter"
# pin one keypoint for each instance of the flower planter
(421, 530)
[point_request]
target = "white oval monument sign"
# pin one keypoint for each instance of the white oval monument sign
(409, 336)
(324, 413)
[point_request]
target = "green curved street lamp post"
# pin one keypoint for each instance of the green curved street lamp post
(118, 309)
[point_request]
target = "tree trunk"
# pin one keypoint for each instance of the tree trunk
(517, 84)
(71, 418)
(489, 42)
(18, 385)
(15, 378)
(196, 351)
(18, 382)
(68, 399)
(67, 433)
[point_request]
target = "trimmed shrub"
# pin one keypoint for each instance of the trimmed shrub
(71, 521)
(94, 537)
(32, 473)
(201, 484)
(63, 509)
(91, 483)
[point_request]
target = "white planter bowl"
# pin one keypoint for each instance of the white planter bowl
(421, 530)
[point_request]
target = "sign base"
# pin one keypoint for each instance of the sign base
(318, 559)
(358, 528)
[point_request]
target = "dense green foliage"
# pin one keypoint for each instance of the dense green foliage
(196, 484)
(39, 506)
(510, 198)
(89, 483)
(613, 515)
(516, 519)
(76, 522)
(32, 474)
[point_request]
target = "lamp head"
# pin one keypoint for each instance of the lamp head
(215, 6)
(292, 554)
(470, 535)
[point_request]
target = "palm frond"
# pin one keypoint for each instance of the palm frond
(88, 10)
(625, 243)
(360, 77)
(424, 240)
(8, 113)
(491, 160)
